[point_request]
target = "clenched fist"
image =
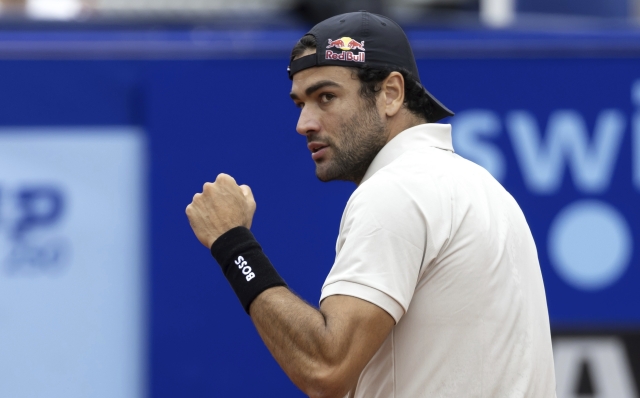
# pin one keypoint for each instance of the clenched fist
(221, 206)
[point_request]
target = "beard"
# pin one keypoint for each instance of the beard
(356, 144)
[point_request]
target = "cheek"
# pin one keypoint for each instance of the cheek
(336, 130)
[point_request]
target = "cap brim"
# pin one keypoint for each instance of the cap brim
(439, 110)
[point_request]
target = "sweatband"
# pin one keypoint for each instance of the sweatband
(245, 266)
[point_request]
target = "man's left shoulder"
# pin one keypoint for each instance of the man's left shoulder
(410, 174)
(395, 194)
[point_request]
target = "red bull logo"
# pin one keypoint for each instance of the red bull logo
(336, 43)
(356, 45)
(346, 44)
(344, 56)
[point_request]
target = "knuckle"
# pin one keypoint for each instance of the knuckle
(225, 178)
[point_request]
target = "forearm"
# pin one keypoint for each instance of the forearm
(323, 351)
(298, 335)
(301, 340)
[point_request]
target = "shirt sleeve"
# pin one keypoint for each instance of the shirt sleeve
(381, 248)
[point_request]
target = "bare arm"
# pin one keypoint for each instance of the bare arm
(323, 352)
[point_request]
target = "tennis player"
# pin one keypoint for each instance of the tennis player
(436, 289)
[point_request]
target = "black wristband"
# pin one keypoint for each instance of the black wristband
(246, 267)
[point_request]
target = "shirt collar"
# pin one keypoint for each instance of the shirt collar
(415, 138)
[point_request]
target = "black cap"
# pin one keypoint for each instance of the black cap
(359, 39)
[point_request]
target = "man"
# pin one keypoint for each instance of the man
(436, 289)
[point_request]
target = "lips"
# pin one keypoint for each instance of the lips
(317, 149)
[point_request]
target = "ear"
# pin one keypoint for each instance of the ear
(392, 89)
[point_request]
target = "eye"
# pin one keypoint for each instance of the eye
(326, 97)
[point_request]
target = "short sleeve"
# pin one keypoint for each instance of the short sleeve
(381, 247)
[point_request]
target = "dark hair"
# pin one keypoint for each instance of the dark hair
(415, 98)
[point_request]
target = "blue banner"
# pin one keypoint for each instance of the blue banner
(562, 134)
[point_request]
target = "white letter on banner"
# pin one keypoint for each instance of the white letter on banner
(542, 164)
(635, 98)
(469, 128)
(610, 373)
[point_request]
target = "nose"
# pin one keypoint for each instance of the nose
(307, 122)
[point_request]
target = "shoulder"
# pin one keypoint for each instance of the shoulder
(414, 178)
(399, 200)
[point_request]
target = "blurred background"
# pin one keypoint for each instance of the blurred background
(113, 113)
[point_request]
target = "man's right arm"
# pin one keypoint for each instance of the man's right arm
(322, 351)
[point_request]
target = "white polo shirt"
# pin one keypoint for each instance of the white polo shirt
(438, 243)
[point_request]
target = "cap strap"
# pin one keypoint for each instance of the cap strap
(302, 63)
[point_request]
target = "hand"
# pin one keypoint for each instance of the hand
(221, 206)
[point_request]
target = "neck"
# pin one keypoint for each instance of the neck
(402, 122)
(395, 126)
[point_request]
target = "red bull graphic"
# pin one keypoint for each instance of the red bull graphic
(346, 44)
(336, 43)
(356, 45)
(344, 56)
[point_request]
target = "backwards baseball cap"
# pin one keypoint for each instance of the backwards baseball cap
(362, 39)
